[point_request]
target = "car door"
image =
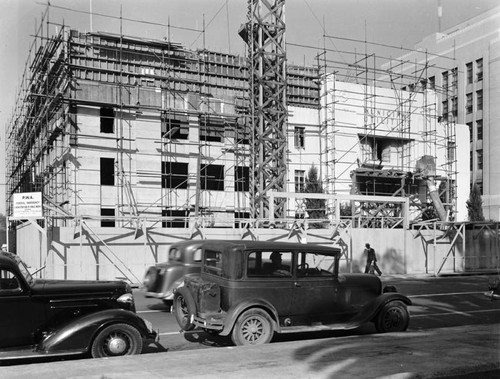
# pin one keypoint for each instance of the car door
(15, 311)
(316, 293)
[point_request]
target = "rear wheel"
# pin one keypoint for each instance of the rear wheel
(116, 340)
(393, 317)
(253, 327)
(184, 307)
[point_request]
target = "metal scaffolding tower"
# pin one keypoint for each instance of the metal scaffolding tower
(265, 35)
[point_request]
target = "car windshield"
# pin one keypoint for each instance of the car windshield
(24, 270)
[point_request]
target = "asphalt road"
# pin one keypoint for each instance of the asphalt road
(437, 303)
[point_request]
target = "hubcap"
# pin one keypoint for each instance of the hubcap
(117, 345)
(252, 330)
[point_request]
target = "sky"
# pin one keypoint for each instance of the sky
(393, 22)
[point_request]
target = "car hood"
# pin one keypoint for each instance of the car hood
(78, 287)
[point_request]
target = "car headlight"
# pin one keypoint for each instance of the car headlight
(126, 298)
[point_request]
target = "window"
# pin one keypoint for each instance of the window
(107, 120)
(211, 128)
(454, 78)
(471, 132)
(274, 264)
(451, 151)
(108, 217)
(471, 161)
(299, 137)
(432, 83)
(445, 81)
(212, 177)
(8, 281)
(241, 178)
(300, 180)
(479, 99)
(239, 219)
(176, 218)
(174, 175)
(479, 129)
(107, 172)
(468, 103)
(444, 105)
(174, 126)
(314, 265)
(213, 262)
(468, 69)
(454, 106)
(479, 157)
(479, 70)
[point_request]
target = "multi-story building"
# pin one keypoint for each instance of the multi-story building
(463, 65)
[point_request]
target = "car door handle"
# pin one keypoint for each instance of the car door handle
(297, 284)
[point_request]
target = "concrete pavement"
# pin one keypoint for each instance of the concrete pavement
(444, 352)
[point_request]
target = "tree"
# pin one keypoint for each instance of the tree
(475, 204)
(316, 208)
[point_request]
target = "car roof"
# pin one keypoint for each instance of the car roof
(250, 244)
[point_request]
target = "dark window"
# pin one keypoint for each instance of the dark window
(211, 128)
(213, 262)
(454, 78)
(479, 70)
(174, 126)
(241, 179)
(107, 120)
(471, 132)
(479, 99)
(445, 81)
(176, 218)
(471, 161)
(300, 180)
(107, 172)
(479, 129)
(299, 137)
(479, 156)
(212, 177)
(8, 281)
(454, 106)
(468, 69)
(239, 218)
(444, 105)
(73, 124)
(468, 103)
(174, 175)
(108, 217)
(269, 264)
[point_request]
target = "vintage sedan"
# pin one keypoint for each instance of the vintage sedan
(62, 317)
(161, 280)
(253, 289)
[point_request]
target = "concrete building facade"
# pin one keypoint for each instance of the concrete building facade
(463, 65)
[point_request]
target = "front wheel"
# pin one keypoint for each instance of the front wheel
(393, 317)
(116, 340)
(254, 327)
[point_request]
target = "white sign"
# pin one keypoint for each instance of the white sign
(27, 205)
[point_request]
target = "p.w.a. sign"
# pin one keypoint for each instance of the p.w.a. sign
(27, 205)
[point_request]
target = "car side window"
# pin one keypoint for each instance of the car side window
(269, 264)
(8, 281)
(213, 262)
(315, 265)
(197, 255)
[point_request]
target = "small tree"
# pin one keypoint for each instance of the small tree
(475, 204)
(316, 208)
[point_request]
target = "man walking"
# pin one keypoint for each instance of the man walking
(371, 258)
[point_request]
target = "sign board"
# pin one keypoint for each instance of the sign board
(27, 205)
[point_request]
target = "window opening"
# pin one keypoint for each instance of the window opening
(242, 178)
(299, 137)
(176, 218)
(107, 171)
(107, 120)
(212, 177)
(108, 220)
(174, 175)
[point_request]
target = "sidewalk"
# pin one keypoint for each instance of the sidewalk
(444, 352)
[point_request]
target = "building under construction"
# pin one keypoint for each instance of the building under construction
(123, 133)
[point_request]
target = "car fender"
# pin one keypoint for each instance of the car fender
(78, 334)
(370, 311)
(233, 314)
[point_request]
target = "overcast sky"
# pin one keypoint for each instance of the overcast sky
(394, 22)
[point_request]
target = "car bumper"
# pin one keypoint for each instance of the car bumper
(211, 322)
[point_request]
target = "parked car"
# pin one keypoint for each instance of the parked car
(161, 279)
(66, 317)
(252, 289)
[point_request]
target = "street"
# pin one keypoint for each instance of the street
(437, 302)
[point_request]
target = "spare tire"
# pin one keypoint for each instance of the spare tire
(184, 306)
(150, 279)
